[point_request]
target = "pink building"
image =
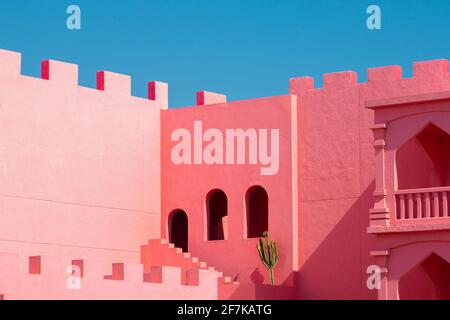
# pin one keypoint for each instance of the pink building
(108, 196)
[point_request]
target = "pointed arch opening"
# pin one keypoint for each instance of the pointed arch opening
(430, 280)
(257, 211)
(217, 215)
(424, 161)
(179, 229)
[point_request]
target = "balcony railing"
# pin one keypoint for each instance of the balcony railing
(428, 203)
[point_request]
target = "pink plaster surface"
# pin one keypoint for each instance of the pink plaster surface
(86, 174)
(50, 283)
(79, 167)
(192, 184)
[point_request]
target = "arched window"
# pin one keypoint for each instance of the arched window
(423, 161)
(257, 206)
(178, 229)
(217, 215)
(257, 215)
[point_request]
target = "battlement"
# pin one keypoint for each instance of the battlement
(206, 98)
(43, 277)
(427, 76)
(80, 127)
(65, 75)
(382, 82)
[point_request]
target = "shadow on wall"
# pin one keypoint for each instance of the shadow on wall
(259, 291)
(257, 277)
(336, 268)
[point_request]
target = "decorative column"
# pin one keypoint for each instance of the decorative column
(379, 214)
(381, 258)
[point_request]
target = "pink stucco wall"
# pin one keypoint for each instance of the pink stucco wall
(79, 167)
(187, 186)
(53, 281)
(87, 174)
(335, 187)
(337, 168)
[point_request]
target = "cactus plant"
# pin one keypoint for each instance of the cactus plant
(268, 252)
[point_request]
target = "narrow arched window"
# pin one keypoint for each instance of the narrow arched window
(257, 217)
(217, 215)
(179, 229)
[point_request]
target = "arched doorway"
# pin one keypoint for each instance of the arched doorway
(217, 214)
(430, 280)
(257, 206)
(178, 229)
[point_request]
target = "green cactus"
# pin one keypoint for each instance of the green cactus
(268, 252)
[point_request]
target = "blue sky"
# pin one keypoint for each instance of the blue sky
(245, 49)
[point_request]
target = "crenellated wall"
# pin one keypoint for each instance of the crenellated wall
(336, 174)
(337, 171)
(47, 277)
(79, 167)
(87, 173)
